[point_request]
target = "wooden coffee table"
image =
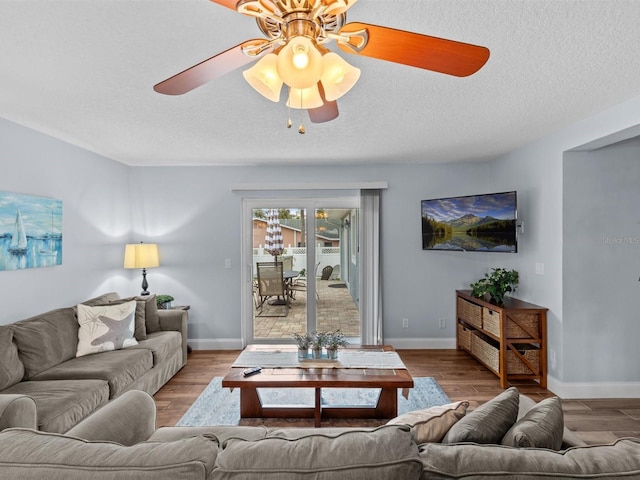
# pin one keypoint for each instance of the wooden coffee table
(388, 380)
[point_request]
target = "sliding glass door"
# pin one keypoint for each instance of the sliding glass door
(302, 266)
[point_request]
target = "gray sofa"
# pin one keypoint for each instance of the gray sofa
(120, 441)
(38, 361)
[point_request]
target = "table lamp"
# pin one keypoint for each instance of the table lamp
(141, 255)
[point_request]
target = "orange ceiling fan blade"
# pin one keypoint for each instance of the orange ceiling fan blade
(325, 113)
(414, 49)
(212, 68)
(227, 3)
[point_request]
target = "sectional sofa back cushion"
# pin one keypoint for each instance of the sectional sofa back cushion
(28, 454)
(11, 368)
(46, 340)
(388, 452)
(621, 459)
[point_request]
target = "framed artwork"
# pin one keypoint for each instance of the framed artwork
(30, 231)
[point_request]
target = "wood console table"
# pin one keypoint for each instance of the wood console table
(510, 340)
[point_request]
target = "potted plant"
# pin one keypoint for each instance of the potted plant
(496, 284)
(164, 301)
(318, 340)
(333, 341)
(304, 342)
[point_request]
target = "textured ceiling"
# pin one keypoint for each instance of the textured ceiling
(83, 71)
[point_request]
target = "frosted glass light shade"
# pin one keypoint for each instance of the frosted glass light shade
(300, 63)
(338, 76)
(264, 78)
(305, 98)
(141, 255)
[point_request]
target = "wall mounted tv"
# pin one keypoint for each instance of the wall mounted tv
(473, 223)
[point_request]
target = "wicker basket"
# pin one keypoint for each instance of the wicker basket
(485, 352)
(464, 337)
(491, 321)
(517, 366)
(470, 312)
(530, 320)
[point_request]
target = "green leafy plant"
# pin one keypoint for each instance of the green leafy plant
(161, 300)
(335, 340)
(302, 340)
(496, 284)
(318, 340)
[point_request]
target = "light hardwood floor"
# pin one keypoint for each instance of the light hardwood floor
(459, 375)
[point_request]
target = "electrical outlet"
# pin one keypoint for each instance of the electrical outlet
(443, 323)
(227, 263)
(405, 323)
(539, 268)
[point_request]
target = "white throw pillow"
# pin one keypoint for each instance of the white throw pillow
(106, 327)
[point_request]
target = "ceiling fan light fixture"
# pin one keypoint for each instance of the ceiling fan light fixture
(300, 63)
(264, 78)
(338, 76)
(305, 98)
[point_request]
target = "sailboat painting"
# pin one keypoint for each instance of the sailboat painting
(30, 231)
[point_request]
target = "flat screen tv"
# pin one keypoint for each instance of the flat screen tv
(473, 223)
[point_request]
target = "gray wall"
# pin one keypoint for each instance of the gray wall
(96, 221)
(601, 264)
(195, 217)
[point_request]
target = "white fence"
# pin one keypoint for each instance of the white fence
(325, 255)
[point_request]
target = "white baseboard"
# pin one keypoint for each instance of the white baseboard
(418, 343)
(577, 390)
(215, 344)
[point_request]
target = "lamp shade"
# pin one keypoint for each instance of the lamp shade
(141, 255)
(338, 76)
(300, 63)
(305, 98)
(263, 76)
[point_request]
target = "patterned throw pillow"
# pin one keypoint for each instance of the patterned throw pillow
(106, 327)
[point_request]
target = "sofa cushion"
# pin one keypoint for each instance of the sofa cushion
(542, 427)
(431, 424)
(119, 368)
(102, 299)
(62, 404)
(152, 319)
(27, 454)
(489, 422)
(11, 368)
(105, 327)
(221, 432)
(384, 453)
(46, 340)
(621, 459)
(161, 345)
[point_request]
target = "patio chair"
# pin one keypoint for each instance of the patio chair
(326, 272)
(287, 263)
(271, 284)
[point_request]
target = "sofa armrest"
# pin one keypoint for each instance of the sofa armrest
(17, 411)
(176, 320)
(127, 420)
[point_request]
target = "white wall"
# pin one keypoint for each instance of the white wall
(96, 221)
(601, 262)
(536, 172)
(196, 218)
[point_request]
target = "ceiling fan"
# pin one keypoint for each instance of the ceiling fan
(294, 53)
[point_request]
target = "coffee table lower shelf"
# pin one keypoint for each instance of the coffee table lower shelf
(251, 407)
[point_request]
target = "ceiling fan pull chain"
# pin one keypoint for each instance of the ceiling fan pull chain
(289, 123)
(301, 130)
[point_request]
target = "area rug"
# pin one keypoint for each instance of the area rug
(219, 406)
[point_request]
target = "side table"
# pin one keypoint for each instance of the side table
(183, 307)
